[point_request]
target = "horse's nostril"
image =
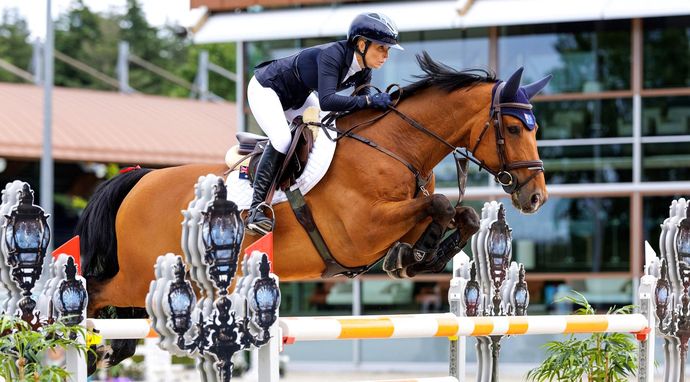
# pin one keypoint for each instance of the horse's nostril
(536, 198)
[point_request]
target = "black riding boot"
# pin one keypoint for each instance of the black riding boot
(269, 165)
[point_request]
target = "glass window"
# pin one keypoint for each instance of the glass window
(583, 57)
(579, 235)
(587, 164)
(666, 161)
(460, 49)
(666, 52)
(665, 116)
(584, 119)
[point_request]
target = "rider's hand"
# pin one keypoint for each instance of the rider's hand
(380, 101)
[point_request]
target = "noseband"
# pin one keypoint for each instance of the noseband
(504, 176)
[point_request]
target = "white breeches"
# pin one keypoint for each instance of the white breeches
(269, 114)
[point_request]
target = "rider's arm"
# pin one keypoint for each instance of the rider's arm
(329, 100)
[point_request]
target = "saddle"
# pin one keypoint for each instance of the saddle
(251, 146)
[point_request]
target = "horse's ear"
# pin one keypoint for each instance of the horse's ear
(512, 85)
(535, 87)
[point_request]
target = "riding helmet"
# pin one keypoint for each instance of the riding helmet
(375, 27)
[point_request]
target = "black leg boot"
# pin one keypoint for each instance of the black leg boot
(257, 221)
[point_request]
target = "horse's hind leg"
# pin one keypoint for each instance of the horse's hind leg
(402, 255)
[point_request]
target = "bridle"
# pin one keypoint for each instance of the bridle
(503, 175)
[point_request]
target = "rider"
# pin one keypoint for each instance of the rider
(283, 89)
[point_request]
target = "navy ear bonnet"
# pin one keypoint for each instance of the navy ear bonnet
(513, 93)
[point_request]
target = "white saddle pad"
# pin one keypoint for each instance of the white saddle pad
(240, 190)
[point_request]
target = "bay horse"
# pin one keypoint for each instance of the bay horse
(366, 205)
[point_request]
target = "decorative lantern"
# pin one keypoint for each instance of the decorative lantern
(222, 234)
(521, 294)
(499, 247)
(682, 239)
(266, 298)
(72, 296)
(662, 292)
(472, 294)
(181, 300)
(26, 236)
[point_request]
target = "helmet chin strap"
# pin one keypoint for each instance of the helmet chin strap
(367, 44)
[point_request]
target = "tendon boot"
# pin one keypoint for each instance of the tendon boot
(257, 221)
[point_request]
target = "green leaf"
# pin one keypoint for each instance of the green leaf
(600, 357)
(19, 341)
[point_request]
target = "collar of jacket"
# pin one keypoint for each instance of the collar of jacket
(349, 53)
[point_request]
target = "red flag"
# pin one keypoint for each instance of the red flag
(265, 245)
(128, 169)
(70, 248)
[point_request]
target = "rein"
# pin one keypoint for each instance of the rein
(503, 176)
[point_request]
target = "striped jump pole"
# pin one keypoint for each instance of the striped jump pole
(122, 328)
(296, 329)
(448, 325)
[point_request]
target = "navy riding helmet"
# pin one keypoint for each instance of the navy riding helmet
(375, 27)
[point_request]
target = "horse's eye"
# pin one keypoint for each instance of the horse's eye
(513, 129)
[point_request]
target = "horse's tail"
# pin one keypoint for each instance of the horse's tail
(96, 227)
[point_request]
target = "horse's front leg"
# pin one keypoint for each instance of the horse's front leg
(466, 223)
(403, 255)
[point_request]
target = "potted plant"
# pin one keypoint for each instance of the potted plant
(23, 350)
(601, 357)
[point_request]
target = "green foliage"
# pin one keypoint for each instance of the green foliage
(601, 357)
(14, 43)
(22, 349)
(89, 38)
(92, 38)
(220, 54)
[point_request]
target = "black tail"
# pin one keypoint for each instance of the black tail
(96, 227)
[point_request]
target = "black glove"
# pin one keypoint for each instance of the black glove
(380, 100)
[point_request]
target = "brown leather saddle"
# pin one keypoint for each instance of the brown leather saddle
(253, 145)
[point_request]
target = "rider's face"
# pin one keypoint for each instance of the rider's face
(377, 54)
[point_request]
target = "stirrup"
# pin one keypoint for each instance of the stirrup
(262, 227)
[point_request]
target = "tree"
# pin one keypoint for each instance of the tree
(14, 44)
(83, 35)
(220, 54)
(159, 47)
(93, 38)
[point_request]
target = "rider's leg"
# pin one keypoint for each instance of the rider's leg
(268, 112)
(270, 163)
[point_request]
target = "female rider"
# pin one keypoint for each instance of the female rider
(283, 89)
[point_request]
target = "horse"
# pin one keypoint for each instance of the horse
(368, 205)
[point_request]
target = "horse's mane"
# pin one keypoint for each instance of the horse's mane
(444, 77)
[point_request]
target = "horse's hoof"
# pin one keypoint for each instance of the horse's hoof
(390, 262)
(398, 257)
(467, 219)
(397, 274)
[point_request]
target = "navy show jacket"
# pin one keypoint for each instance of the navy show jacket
(321, 68)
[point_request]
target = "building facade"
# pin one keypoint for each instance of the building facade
(614, 123)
